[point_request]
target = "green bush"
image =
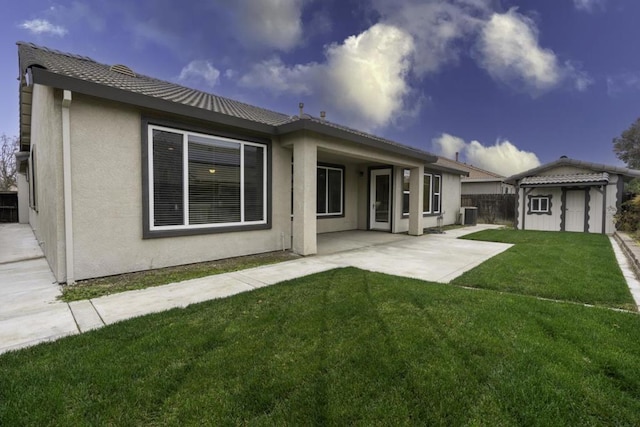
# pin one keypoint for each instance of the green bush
(628, 220)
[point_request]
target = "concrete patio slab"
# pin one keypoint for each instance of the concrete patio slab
(18, 243)
(125, 305)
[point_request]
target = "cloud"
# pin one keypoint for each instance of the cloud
(510, 52)
(439, 27)
(448, 145)
(365, 78)
(42, 26)
(271, 23)
(588, 5)
(503, 157)
(623, 83)
(274, 75)
(200, 71)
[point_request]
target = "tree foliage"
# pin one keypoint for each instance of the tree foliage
(627, 145)
(8, 167)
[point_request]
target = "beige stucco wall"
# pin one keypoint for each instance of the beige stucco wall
(46, 139)
(107, 201)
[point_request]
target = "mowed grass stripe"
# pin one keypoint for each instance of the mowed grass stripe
(341, 347)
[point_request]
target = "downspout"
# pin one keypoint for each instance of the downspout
(66, 171)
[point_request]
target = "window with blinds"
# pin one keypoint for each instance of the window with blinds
(202, 180)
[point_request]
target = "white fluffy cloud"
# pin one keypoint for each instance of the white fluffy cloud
(200, 71)
(42, 26)
(365, 77)
(510, 52)
(271, 23)
(278, 77)
(439, 27)
(503, 157)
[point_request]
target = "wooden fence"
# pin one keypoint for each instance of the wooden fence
(492, 208)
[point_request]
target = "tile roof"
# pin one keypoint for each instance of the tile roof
(474, 172)
(565, 161)
(86, 69)
(578, 178)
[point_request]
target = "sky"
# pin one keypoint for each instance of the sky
(507, 84)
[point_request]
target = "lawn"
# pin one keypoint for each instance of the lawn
(339, 348)
(578, 267)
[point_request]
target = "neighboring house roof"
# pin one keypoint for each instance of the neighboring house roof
(473, 172)
(445, 165)
(565, 161)
(578, 178)
(84, 75)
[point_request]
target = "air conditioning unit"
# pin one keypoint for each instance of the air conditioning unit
(468, 215)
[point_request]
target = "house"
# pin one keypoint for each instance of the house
(479, 181)
(570, 195)
(127, 173)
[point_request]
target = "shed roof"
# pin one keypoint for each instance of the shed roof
(578, 178)
(84, 75)
(565, 161)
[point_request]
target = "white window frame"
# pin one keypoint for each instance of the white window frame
(538, 200)
(326, 196)
(185, 180)
(432, 193)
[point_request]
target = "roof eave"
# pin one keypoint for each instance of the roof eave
(310, 125)
(48, 78)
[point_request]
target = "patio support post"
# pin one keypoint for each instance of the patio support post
(305, 164)
(416, 194)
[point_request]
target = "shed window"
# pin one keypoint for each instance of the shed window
(540, 204)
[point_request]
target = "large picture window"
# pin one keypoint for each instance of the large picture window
(431, 193)
(330, 197)
(204, 181)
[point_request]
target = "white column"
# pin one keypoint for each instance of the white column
(305, 163)
(416, 186)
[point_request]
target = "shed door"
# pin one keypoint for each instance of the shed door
(574, 211)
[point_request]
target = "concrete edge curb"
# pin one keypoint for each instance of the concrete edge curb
(628, 245)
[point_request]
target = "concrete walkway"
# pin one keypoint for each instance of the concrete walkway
(30, 312)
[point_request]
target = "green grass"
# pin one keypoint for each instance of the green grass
(578, 267)
(95, 288)
(339, 348)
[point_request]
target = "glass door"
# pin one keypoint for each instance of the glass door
(380, 213)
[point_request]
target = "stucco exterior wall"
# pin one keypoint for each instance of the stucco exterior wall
(47, 220)
(107, 201)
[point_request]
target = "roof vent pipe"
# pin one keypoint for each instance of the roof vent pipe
(323, 114)
(301, 106)
(457, 154)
